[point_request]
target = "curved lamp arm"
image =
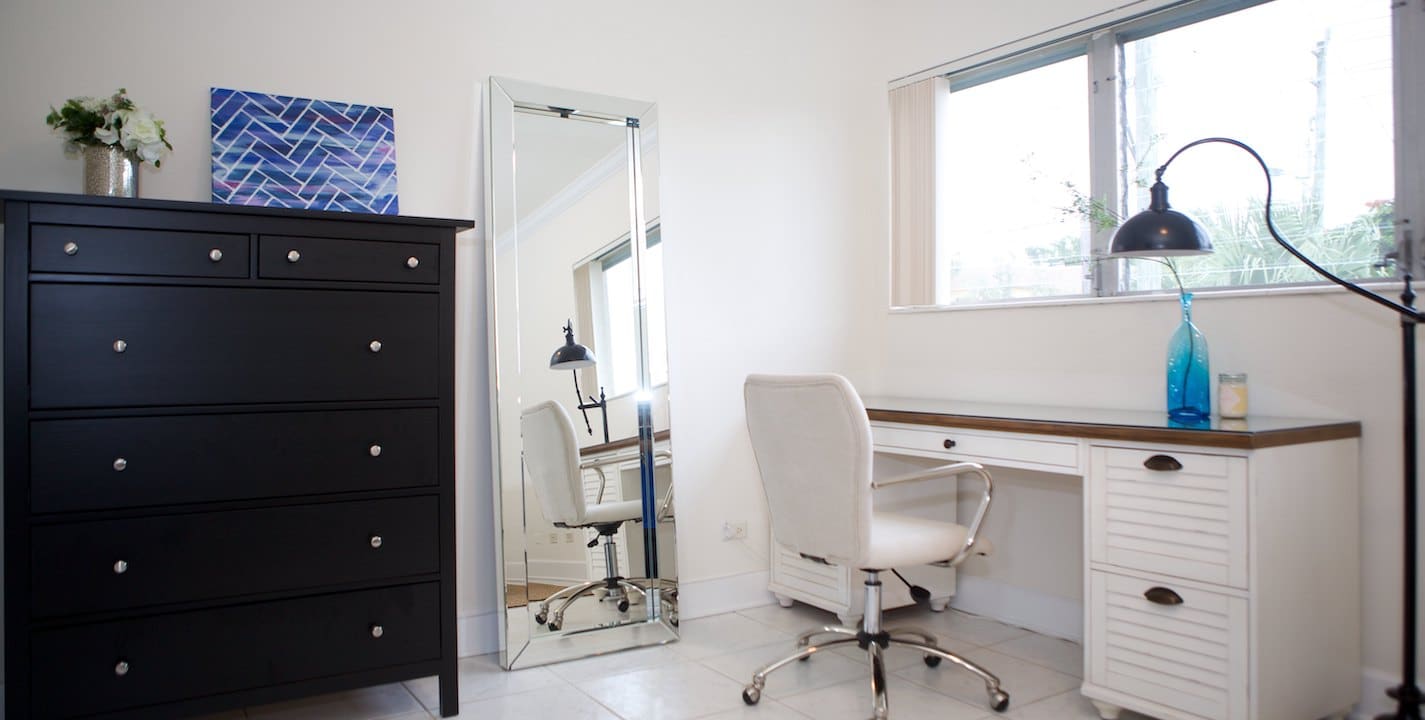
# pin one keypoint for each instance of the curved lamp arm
(949, 471)
(1404, 310)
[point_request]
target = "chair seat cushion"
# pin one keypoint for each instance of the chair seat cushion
(613, 512)
(902, 540)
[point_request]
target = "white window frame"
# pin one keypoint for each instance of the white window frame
(1101, 35)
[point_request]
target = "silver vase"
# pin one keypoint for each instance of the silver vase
(109, 170)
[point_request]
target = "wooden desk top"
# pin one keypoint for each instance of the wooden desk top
(1252, 433)
(619, 444)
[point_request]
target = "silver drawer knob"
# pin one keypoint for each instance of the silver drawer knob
(412, 262)
(375, 541)
(71, 248)
(375, 346)
(120, 346)
(215, 254)
(293, 256)
(377, 631)
(121, 668)
(120, 567)
(120, 464)
(375, 450)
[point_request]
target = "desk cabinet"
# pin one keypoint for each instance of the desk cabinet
(1222, 585)
(229, 442)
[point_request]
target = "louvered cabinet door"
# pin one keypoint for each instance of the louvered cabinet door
(1172, 513)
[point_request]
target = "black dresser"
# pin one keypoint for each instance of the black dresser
(229, 455)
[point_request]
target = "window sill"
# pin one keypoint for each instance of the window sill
(1388, 288)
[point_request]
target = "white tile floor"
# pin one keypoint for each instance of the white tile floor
(702, 675)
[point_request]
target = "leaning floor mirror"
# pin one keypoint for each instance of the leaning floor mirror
(578, 374)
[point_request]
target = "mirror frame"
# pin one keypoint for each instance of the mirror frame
(504, 97)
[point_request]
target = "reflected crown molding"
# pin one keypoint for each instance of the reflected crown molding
(575, 191)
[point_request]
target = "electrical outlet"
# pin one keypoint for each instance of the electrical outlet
(569, 537)
(553, 538)
(734, 530)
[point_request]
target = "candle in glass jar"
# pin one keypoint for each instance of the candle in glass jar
(1232, 395)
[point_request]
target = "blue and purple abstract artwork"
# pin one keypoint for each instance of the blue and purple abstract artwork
(281, 151)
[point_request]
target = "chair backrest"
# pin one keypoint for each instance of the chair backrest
(551, 461)
(812, 440)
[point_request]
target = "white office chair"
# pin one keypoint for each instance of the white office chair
(551, 459)
(812, 440)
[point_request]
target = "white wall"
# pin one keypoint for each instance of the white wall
(770, 171)
(1309, 355)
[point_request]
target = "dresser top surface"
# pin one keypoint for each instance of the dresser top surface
(184, 206)
(1254, 431)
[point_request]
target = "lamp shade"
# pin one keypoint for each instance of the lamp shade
(571, 355)
(1159, 231)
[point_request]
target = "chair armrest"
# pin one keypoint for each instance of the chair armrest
(950, 471)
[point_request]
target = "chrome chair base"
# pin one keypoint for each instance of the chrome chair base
(875, 641)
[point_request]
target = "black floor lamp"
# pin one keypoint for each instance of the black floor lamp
(573, 356)
(1162, 232)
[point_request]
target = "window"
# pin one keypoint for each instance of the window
(1039, 153)
(611, 287)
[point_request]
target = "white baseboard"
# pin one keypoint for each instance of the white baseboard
(729, 593)
(1374, 702)
(1040, 612)
(477, 634)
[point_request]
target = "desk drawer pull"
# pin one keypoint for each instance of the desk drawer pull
(948, 443)
(1160, 595)
(1162, 463)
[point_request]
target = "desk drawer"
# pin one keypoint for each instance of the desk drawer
(177, 558)
(100, 463)
(192, 654)
(1191, 656)
(117, 251)
(1189, 522)
(201, 346)
(301, 258)
(794, 572)
(990, 448)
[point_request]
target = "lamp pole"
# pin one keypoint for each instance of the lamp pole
(1159, 231)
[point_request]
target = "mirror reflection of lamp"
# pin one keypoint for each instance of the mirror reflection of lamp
(573, 356)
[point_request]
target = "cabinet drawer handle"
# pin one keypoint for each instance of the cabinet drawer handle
(215, 254)
(375, 346)
(120, 346)
(121, 668)
(377, 631)
(120, 464)
(412, 262)
(948, 443)
(71, 248)
(1162, 596)
(120, 567)
(375, 450)
(376, 541)
(293, 256)
(1162, 463)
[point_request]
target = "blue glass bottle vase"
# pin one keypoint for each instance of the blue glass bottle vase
(1189, 399)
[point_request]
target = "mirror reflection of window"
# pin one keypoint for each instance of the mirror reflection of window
(613, 312)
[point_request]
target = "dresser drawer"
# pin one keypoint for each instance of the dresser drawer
(117, 251)
(992, 448)
(192, 654)
(301, 258)
(176, 558)
(1191, 656)
(99, 463)
(1189, 522)
(107, 345)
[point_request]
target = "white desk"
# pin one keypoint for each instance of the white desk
(1250, 527)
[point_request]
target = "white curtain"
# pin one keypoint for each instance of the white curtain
(914, 158)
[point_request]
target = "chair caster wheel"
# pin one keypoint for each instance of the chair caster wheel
(623, 606)
(932, 660)
(751, 695)
(540, 618)
(554, 625)
(674, 620)
(999, 701)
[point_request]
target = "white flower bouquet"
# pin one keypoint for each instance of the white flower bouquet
(114, 121)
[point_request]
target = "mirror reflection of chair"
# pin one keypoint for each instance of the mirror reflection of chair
(812, 441)
(551, 458)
